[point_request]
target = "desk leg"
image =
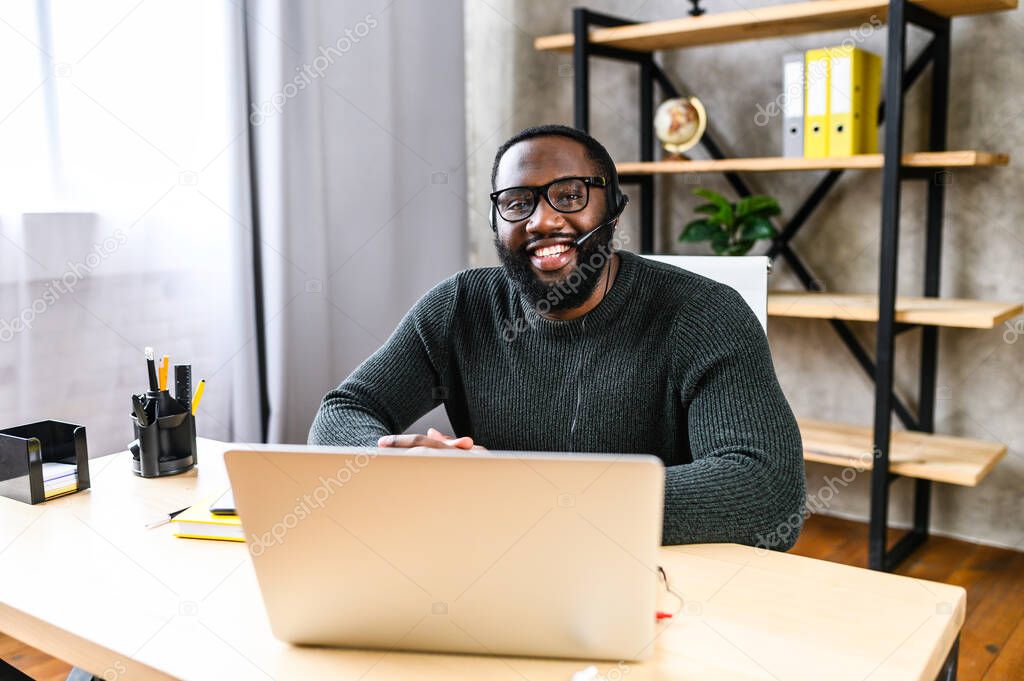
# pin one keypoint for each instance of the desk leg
(948, 671)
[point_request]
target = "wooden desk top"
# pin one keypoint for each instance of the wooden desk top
(83, 580)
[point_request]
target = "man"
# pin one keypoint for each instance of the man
(572, 346)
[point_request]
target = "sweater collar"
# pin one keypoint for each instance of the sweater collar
(606, 311)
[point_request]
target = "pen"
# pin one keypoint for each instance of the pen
(166, 519)
(163, 371)
(151, 366)
(199, 395)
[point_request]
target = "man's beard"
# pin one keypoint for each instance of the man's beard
(567, 292)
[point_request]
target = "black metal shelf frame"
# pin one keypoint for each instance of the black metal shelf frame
(898, 80)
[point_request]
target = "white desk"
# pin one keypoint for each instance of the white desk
(83, 580)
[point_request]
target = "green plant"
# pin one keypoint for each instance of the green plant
(732, 228)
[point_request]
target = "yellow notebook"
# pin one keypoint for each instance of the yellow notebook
(198, 523)
(816, 86)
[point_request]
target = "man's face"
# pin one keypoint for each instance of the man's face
(536, 162)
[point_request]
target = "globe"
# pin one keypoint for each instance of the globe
(679, 123)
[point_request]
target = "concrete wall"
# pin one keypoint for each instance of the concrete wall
(981, 376)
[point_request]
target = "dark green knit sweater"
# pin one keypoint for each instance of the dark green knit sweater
(670, 363)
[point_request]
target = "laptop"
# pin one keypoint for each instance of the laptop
(504, 553)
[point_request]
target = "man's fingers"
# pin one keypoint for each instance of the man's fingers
(464, 442)
(415, 440)
(410, 440)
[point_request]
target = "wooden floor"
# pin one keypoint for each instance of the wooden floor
(991, 644)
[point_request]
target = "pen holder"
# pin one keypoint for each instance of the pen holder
(166, 445)
(25, 449)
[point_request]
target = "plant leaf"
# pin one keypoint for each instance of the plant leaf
(719, 243)
(708, 208)
(757, 228)
(758, 204)
(738, 248)
(725, 213)
(699, 230)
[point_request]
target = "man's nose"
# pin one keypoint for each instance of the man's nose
(546, 220)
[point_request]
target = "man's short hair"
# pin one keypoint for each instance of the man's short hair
(595, 150)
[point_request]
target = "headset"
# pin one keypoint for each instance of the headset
(615, 201)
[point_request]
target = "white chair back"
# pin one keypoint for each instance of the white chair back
(747, 274)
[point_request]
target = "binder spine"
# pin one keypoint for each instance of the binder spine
(816, 86)
(793, 104)
(846, 101)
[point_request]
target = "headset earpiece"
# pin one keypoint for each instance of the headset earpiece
(493, 221)
(616, 199)
(622, 203)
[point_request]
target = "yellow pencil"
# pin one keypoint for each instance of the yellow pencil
(163, 371)
(199, 395)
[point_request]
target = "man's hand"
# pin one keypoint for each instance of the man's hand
(434, 439)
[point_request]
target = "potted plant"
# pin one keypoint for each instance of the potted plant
(732, 228)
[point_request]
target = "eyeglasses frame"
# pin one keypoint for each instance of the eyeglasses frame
(542, 190)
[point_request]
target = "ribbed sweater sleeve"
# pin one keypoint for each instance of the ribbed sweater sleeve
(397, 384)
(746, 481)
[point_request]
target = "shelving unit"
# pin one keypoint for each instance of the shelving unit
(916, 452)
(761, 22)
(775, 164)
(926, 456)
(913, 310)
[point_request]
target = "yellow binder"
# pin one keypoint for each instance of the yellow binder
(816, 86)
(852, 112)
(872, 98)
(845, 100)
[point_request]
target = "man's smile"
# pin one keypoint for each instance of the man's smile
(550, 255)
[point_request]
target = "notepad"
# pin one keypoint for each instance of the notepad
(59, 478)
(199, 523)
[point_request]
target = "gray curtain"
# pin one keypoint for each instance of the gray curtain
(359, 151)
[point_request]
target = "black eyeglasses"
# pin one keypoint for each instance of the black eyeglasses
(566, 195)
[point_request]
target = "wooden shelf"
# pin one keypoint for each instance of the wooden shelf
(942, 458)
(763, 22)
(951, 312)
(919, 159)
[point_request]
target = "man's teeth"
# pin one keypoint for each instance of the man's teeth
(552, 250)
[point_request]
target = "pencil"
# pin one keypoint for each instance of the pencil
(199, 395)
(167, 518)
